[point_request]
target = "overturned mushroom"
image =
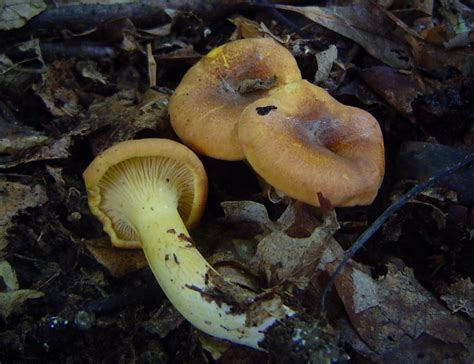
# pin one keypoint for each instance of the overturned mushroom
(206, 106)
(302, 141)
(146, 193)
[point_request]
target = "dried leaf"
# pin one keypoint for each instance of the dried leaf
(460, 297)
(279, 256)
(15, 140)
(255, 212)
(160, 31)
(126, 117)
(392, 305)
(430, 56)
(59, 89)
(16, 13)
(246, 28)
(251, 85)
(212, 345)
(364, 24)
(89, 70)
(15, 197)
(415, 6)
(420, 161)
(398, 89)
(8, 277)
(325, 61)
(119, 262)
(10, 300)
(36, 151)
(28, 58)
(285, 259)
(164, 320)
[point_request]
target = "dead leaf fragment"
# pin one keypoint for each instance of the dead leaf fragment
(89, 70)
(10, 300)
(164, 320)
(15, 139)
(58, 89)
(246, 28)
(119, 262)
(364, 24)
(432, 57)
(398, 89)
(422, 160)
(283, 258)
(279, 256)
(126, 116)
(252, 211)
(16, 13)
(460, 297)
(8, 276)
(325, 61)
(392, 305)
(15, 197)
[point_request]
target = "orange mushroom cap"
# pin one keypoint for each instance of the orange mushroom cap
(302, 141)
(156, 159)
(206, 106)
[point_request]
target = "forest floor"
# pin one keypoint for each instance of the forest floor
(78, 78)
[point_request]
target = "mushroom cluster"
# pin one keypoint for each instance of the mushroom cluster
(247, 100)
(244, 100)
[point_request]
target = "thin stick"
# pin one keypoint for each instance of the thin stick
(386, 214)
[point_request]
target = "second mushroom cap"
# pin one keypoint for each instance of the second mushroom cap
(302, 141)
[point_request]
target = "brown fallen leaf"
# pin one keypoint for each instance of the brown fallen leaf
(279, 256)
(364, 24)
(15, 197)
(398, 89)
(237, 211)
(164, 320)
(118, 262)
(395, 312)
(431, 57)
(125, 116)
(59, 89)
(246, 28)
(460, 297)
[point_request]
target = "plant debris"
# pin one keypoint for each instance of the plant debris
(78, 78)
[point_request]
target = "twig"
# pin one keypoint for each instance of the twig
(386, 214)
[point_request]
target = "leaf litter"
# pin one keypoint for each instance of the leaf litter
(65, 96)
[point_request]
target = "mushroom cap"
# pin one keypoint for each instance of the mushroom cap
(303, 141)
(177, 155)
(206, 106)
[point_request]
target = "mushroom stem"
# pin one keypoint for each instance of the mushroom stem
(183, 273)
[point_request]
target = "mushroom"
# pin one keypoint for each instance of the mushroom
(302, 141)
(147, 193)
(206, 106)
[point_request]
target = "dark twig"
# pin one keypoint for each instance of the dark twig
(386, 214)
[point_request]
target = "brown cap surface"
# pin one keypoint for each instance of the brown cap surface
(206, 106)
(302, 141)
(190, 179)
